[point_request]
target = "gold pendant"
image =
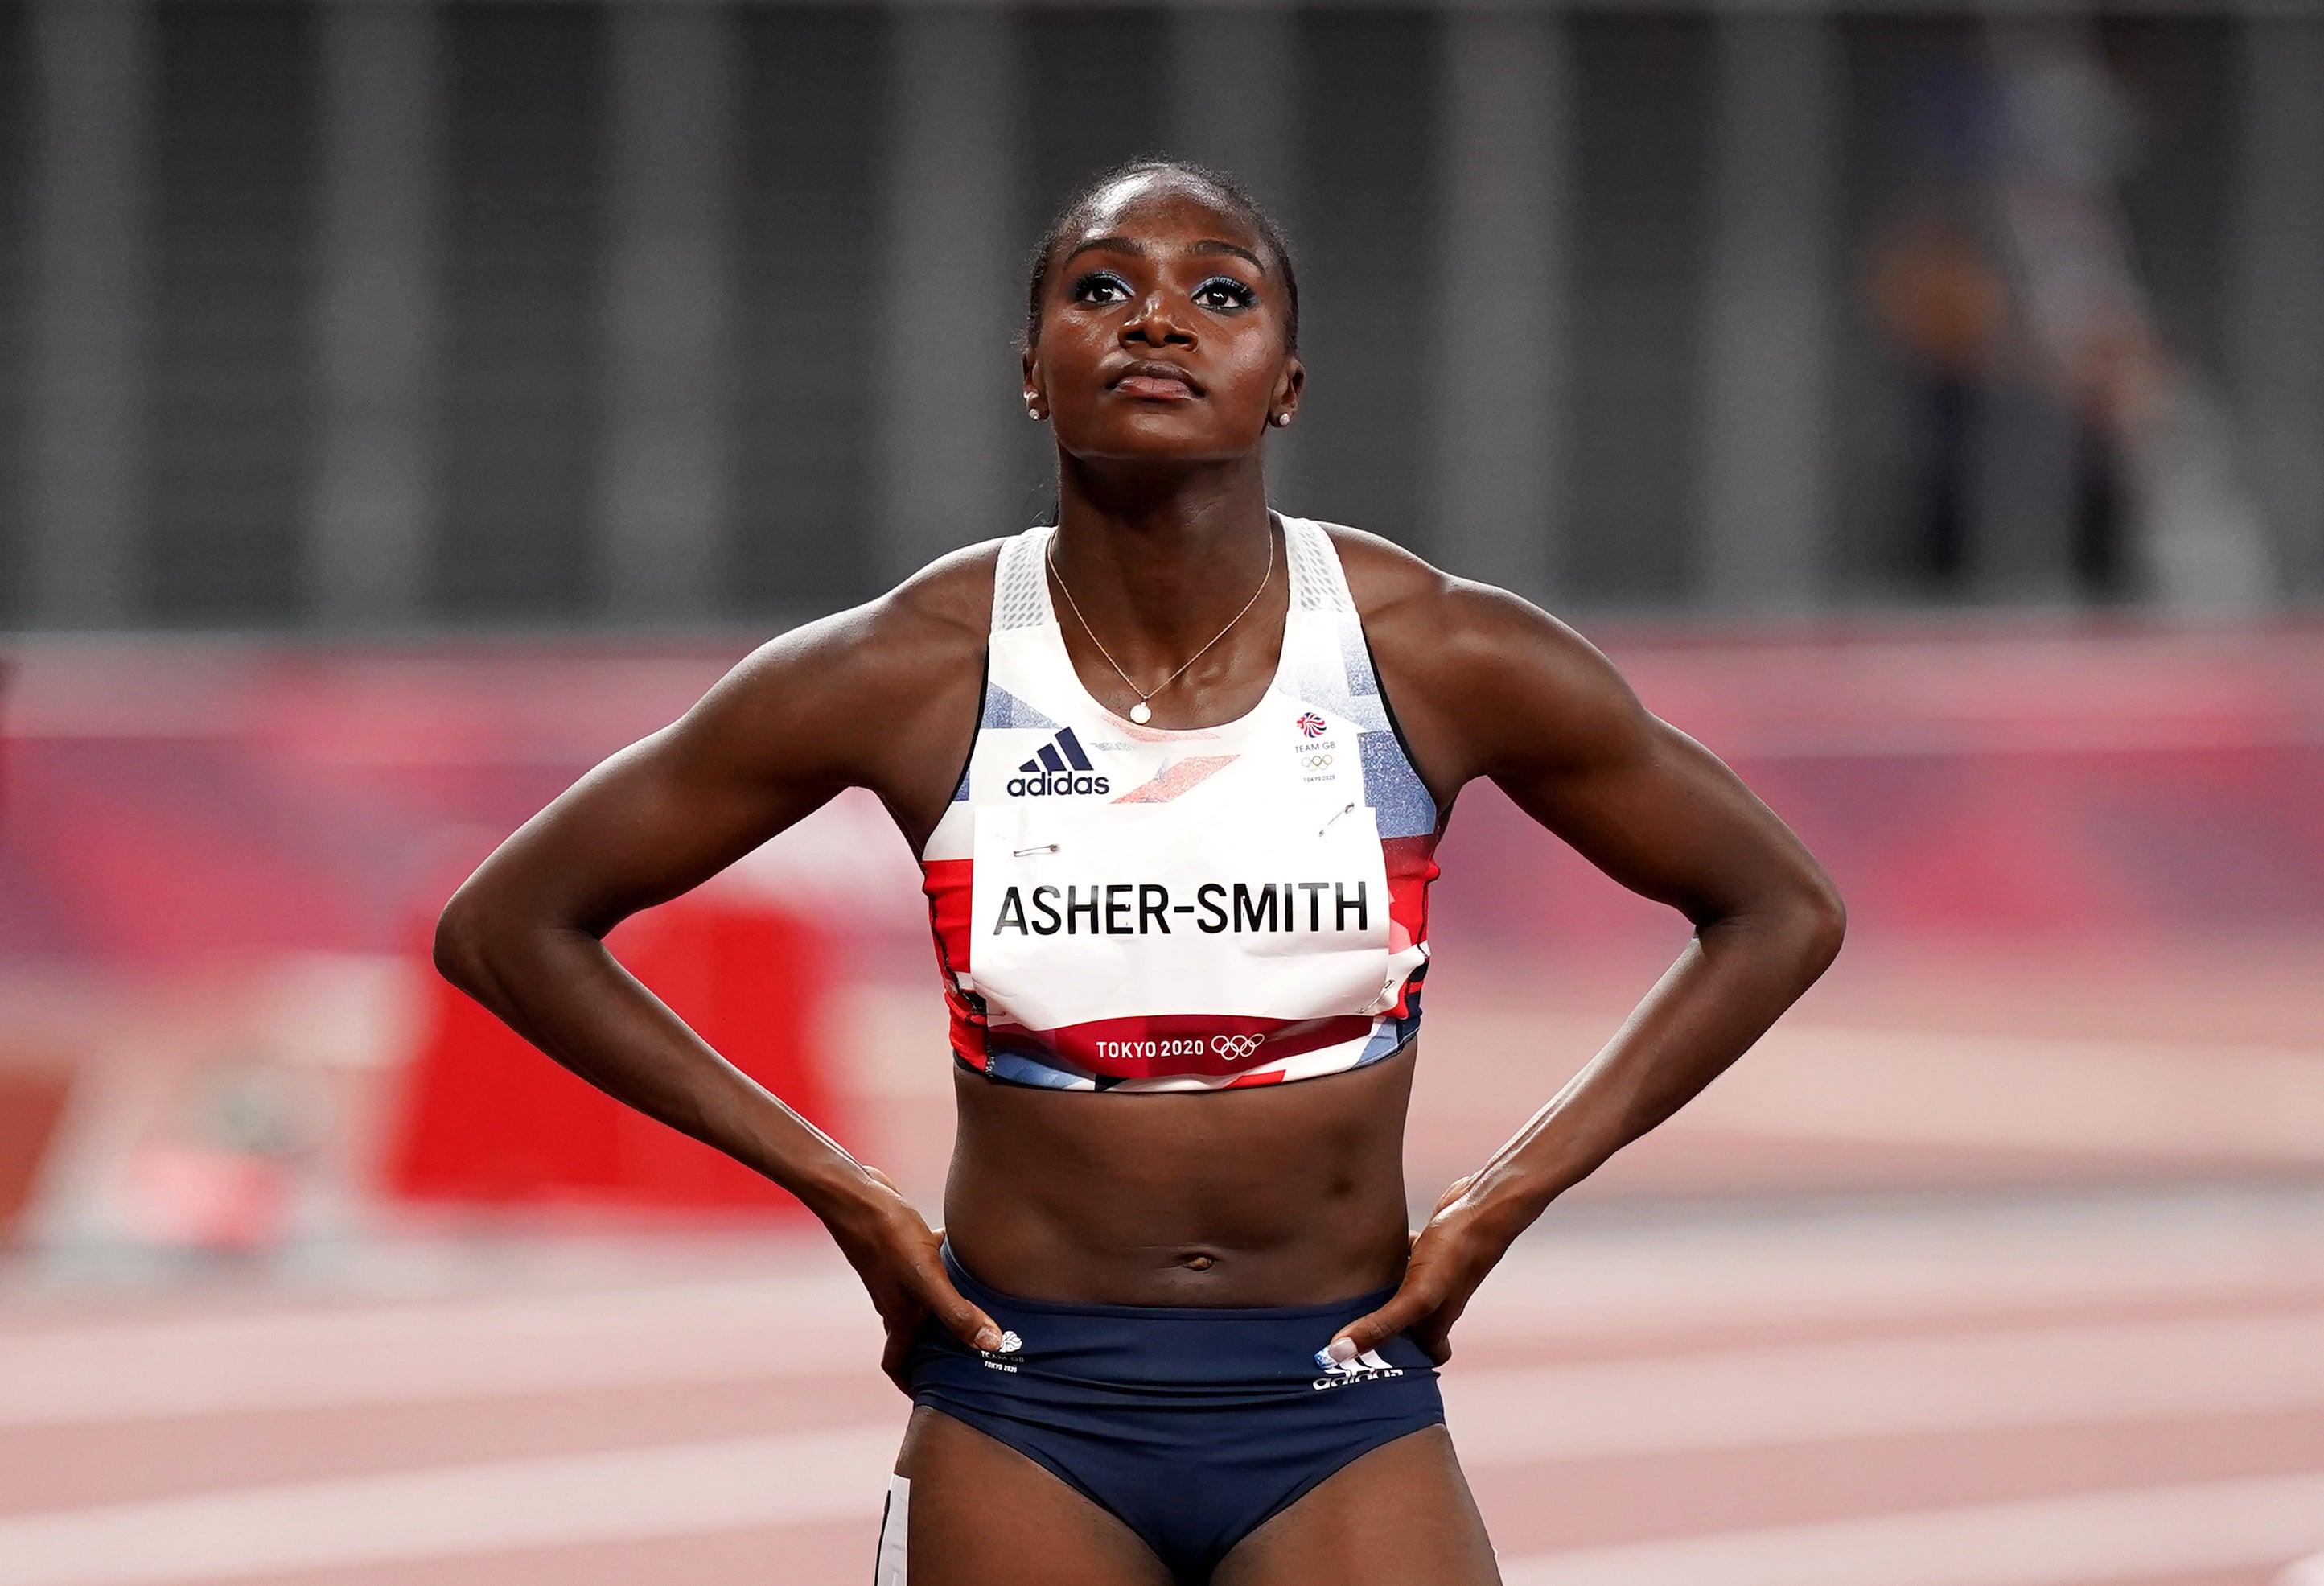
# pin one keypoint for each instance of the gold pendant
(1140, 713)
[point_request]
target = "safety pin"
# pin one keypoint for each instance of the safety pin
(1047, 847)
(1327, 825)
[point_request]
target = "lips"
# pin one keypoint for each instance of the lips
(1157, 382)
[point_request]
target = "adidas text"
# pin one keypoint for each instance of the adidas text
(1061, 767)
(1052, 783)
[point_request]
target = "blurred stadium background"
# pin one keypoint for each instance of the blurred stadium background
(403, 405)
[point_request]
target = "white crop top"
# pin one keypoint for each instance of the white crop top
(1119, 907)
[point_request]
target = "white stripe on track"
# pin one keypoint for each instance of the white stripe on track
(1805, 1082)
(2046, 1542)
(1562, 1284)
(1734, 1399)
(386, 1354)
(736, 1484)
(1887, 1388)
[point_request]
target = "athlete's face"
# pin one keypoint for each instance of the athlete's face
(1163, 332)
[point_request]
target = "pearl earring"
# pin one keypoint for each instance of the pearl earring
(1281, 420)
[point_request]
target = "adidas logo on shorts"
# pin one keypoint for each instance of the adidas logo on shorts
(1062, 766)
(1367, 1367)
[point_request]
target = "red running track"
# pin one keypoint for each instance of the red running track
(2110, 1389)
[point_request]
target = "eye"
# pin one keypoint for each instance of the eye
(1223, 293)
(1101, 286)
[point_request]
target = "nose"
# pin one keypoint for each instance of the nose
(1158, 325)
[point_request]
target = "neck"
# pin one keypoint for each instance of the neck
(1158, 558)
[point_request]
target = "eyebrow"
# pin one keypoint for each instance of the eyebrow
(1211, 245)
(1130, 245)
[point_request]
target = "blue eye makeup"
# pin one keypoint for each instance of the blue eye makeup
(1101, 286)
(1220, 294)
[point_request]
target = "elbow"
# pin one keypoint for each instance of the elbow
(1822, 913)
(459, 944)
(1793, 919)
(492, 939)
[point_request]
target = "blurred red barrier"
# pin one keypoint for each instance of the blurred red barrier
(32, 1101)
(488, 1121)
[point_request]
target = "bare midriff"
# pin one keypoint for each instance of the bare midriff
(1289, 1194)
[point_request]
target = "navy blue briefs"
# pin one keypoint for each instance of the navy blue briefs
(1192, 1426)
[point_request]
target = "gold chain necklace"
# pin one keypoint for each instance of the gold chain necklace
(1141, 712)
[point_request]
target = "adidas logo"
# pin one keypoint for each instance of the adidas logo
(1367, 1367)
(1061, 767)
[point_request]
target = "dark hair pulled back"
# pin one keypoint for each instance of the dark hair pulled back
(1076, 215)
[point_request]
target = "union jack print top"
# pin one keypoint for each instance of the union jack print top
(1121, 907)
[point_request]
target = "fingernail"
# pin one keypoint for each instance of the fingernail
(988, 1338)
(1342, 1349)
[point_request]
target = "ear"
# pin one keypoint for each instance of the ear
(1288, 385)
(1032, 369)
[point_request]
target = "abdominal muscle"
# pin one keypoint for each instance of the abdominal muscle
(1289, 1194)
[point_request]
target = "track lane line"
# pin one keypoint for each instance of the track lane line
(1751, 1397)
(391, 1354)
(1888, 1388)
(2049, 1541)
(730, 1485)
(1566, 1287)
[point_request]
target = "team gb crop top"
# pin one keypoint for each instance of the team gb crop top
(1119, 907)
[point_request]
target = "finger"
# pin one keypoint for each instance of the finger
(1405, 1307)
(1434, 1334)
(896, 1358)
(955, 1314)
(903, 1316)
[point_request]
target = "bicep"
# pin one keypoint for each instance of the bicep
(755, 756)
(1565, 737)
(1665, 817)
(649, 823)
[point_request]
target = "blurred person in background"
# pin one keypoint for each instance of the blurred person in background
(2009, 287)
(1177, 849)
(2159, 507)
(1932, 292)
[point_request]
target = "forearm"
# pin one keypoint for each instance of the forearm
(561, 989)
(1734, 979)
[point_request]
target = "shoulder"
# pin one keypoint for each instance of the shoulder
(925, 627)
(947, 604)
(1496, 677)
(941, 615)
(847, 693)
(1426, 616)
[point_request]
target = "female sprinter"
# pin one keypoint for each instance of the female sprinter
(1177, 846)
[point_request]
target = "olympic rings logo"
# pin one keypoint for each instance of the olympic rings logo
(1237, 1047)
(1317, 762)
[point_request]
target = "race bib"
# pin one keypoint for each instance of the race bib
(1277, 914)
